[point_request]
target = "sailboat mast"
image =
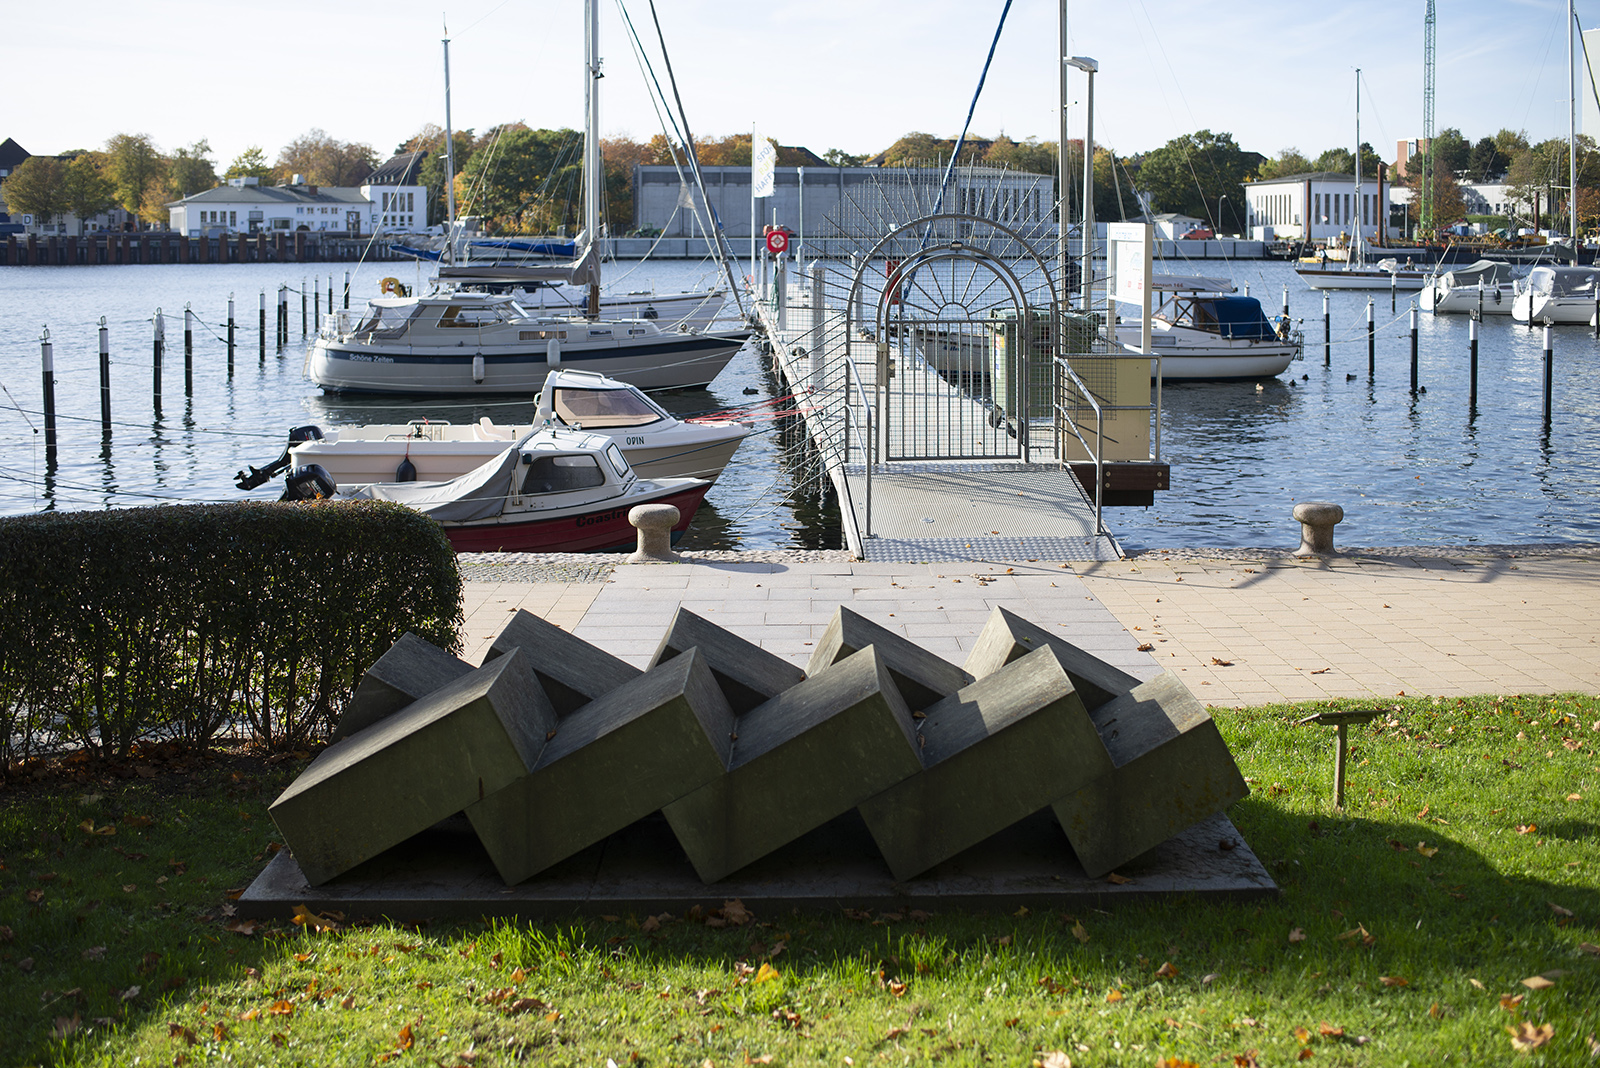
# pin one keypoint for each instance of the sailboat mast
(1357, 214)
(449, 163)
(593, 173)
(1572, 135)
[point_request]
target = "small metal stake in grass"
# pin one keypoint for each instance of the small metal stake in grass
(1340, 720)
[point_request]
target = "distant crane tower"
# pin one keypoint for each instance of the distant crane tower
(1425, 207)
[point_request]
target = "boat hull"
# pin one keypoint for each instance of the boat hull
(669, 361)
(1536, 308)
(1496, 301)
(1338, 278)
(1220, 367)
(599, 530)
(703, 453)
(1193, 355)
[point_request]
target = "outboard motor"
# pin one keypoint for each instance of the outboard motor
(309, 483)
(260, 476)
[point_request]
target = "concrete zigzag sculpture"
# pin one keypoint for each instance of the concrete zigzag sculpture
(552, 745)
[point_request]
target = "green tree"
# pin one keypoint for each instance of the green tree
(1340, 161)
(132, 163)
(527, 181)
(1452, 151)
(1449, 207)
(251, 163)
(835, 157)
(88, 190)
(190, 170)
(1487, 161)
(1511, 142)
(324, 160)
(915, 149)
(1288, 161)
(431, 175)
(1191, 174)
(38, 187)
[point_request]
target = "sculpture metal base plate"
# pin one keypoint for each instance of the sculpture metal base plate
(444, 873)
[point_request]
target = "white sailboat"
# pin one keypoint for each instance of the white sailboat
(1354, 272)
(476, 342)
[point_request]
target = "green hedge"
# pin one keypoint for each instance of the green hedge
(180, 622)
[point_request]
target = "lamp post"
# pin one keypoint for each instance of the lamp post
(1089, 67)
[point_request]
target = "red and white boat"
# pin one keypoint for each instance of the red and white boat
(555, 491)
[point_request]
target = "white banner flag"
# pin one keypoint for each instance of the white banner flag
(763, 167)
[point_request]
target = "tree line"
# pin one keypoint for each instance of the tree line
(519, 179)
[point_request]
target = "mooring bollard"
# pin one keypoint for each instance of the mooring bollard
(263, 326)
(1394, 278)
(654, 523)
(283, 315)
(188, 351)
(1413, 348)
(1327, 333)
(1317, 520)
(1342, 721)
(346, 292)
(156, 351)
(302, 306)
(230, 335)
(105, 381)
(47, 366)
(1372, 344)
(316, 303)
(1472, 353)
(1286, 302)
(1549, 373)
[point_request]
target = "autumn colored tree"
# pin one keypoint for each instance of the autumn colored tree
(325, 160)
(1449, 207)
(88, 190)
(132, 163)
(38, 187)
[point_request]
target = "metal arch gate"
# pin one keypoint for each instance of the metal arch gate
(963, 352)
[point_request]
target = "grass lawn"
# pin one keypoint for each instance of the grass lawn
(1450, 915)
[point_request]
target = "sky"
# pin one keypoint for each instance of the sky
(848, 74)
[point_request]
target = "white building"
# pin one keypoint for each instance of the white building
(245, 206)
(1318, 206)
(396, 197)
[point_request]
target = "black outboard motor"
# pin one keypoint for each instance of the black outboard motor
(309, 483)
(260, 476)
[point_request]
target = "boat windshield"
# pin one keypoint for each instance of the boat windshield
(561, 474)
(596, 408)
(473, 315)
(384, 321)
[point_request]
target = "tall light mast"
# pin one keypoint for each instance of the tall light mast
(1425, 220)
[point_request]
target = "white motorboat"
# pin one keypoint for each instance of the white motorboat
(1557, 295)
(1200, 331)
(656, 444)
(1484, 287)
(556, 491)
(485, 343)
(1356, 274)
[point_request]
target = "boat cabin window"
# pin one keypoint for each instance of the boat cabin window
(596, 408)
(559, 474)
(618, 464)
(386, 322)
(466, 315)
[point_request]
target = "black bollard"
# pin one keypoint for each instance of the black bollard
(1286, 302)
(105, 381)
(1472, 350)
(1327, 334)
(1413, 348)
(1372, 344)
(1394, 277)
(230, 335)
(346, 291)
(330, 293)
(302, 307)
(188, 351)
(316, 304)
(1549, 373)
(157, 348)
(47, 364)
(263, 326)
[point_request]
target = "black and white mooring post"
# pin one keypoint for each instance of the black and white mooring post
(230, 335)
(283, 315)
(1413, 348)
(346, 291)
(47, 366)
(105, 381)
(1549, 373)
(263, 326)
(1472, 352)
(302, 306)
(316, 303)
(1327, 333)
(188, 351)
(1394, 278)
(157, 349)
(1286, 302)
(1372, 344)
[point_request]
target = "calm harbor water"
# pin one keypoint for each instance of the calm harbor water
(1409, 470)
